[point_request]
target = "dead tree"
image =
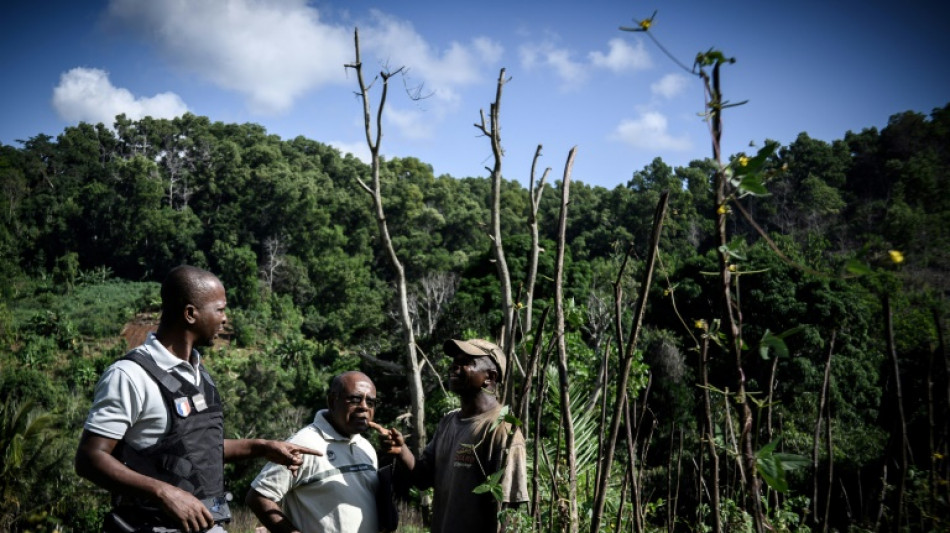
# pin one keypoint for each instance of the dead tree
(627, 354)
(492, 130)
(563, 373)
(902, 440)
(535, 190)
(418, 437)
(825, 385)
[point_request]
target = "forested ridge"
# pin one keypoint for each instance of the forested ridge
(844, 264)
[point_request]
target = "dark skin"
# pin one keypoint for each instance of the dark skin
(347, 417)
(196, 324)
(474, 380)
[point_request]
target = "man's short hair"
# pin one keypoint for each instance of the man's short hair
(185, 284)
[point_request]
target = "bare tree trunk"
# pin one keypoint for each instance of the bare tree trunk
(731, 437)
(830, 450)
(541, 395)
(599, 323)
(416, 394)
(603, 422)
(563, 372)
(881, 499)
(627, 358)
(623, 499)
(274, 249)
(521, 402)
(492, 130)
(710, 438)
(536, 190)
(822, 398)
(775, 496)
(636, 503)
(679, 478)
(903, 443)
(935, 435)
(673, 491)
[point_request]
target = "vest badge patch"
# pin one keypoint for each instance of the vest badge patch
(199, 401)
(183, 406)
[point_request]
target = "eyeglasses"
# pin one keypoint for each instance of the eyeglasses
(356, 400)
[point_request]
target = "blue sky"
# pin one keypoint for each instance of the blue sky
(818, 67)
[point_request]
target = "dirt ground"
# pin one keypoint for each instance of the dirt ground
(135, 331)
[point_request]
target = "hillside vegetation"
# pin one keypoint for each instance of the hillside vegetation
(845, 260)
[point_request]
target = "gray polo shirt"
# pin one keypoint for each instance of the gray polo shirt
(128, 403)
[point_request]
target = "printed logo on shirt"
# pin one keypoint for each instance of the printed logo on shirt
(465, 456)
(183, 406)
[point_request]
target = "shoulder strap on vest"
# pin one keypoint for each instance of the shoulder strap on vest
(206, 376)
(145, 361)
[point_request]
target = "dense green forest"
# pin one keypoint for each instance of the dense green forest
(841, 273)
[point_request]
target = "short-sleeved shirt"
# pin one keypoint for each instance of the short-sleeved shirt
(462, 454)
(335, 492)
(127, 403)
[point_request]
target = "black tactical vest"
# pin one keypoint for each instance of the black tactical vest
(190, 455)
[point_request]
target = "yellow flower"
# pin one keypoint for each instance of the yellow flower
(666, 292)
(896, 256)
(732, 268)
(743, 161)
(646, 23)
(700, 324)
(722, 210)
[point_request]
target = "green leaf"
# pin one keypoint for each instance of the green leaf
(752, 184)
(791, 461)
(858, 268)
(772, 472)
(791, 331)
(726, 250)
(772, 342)
(492, 484)
(501, 418)
(772, 466)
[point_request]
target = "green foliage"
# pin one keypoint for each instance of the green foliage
(94, 218)
(773, 465)
(27, 448)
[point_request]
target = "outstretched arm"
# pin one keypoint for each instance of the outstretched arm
(275, 451)
(95, 462)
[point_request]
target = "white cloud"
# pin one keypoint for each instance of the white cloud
(412, 124)
(621, 57)
(396, 43)
(359, 150)
(271, 51)
(545, 54)
(274, 51)
(86, 94)
(649, 132)
(669, 86)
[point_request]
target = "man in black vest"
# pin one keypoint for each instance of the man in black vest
(154, 436)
